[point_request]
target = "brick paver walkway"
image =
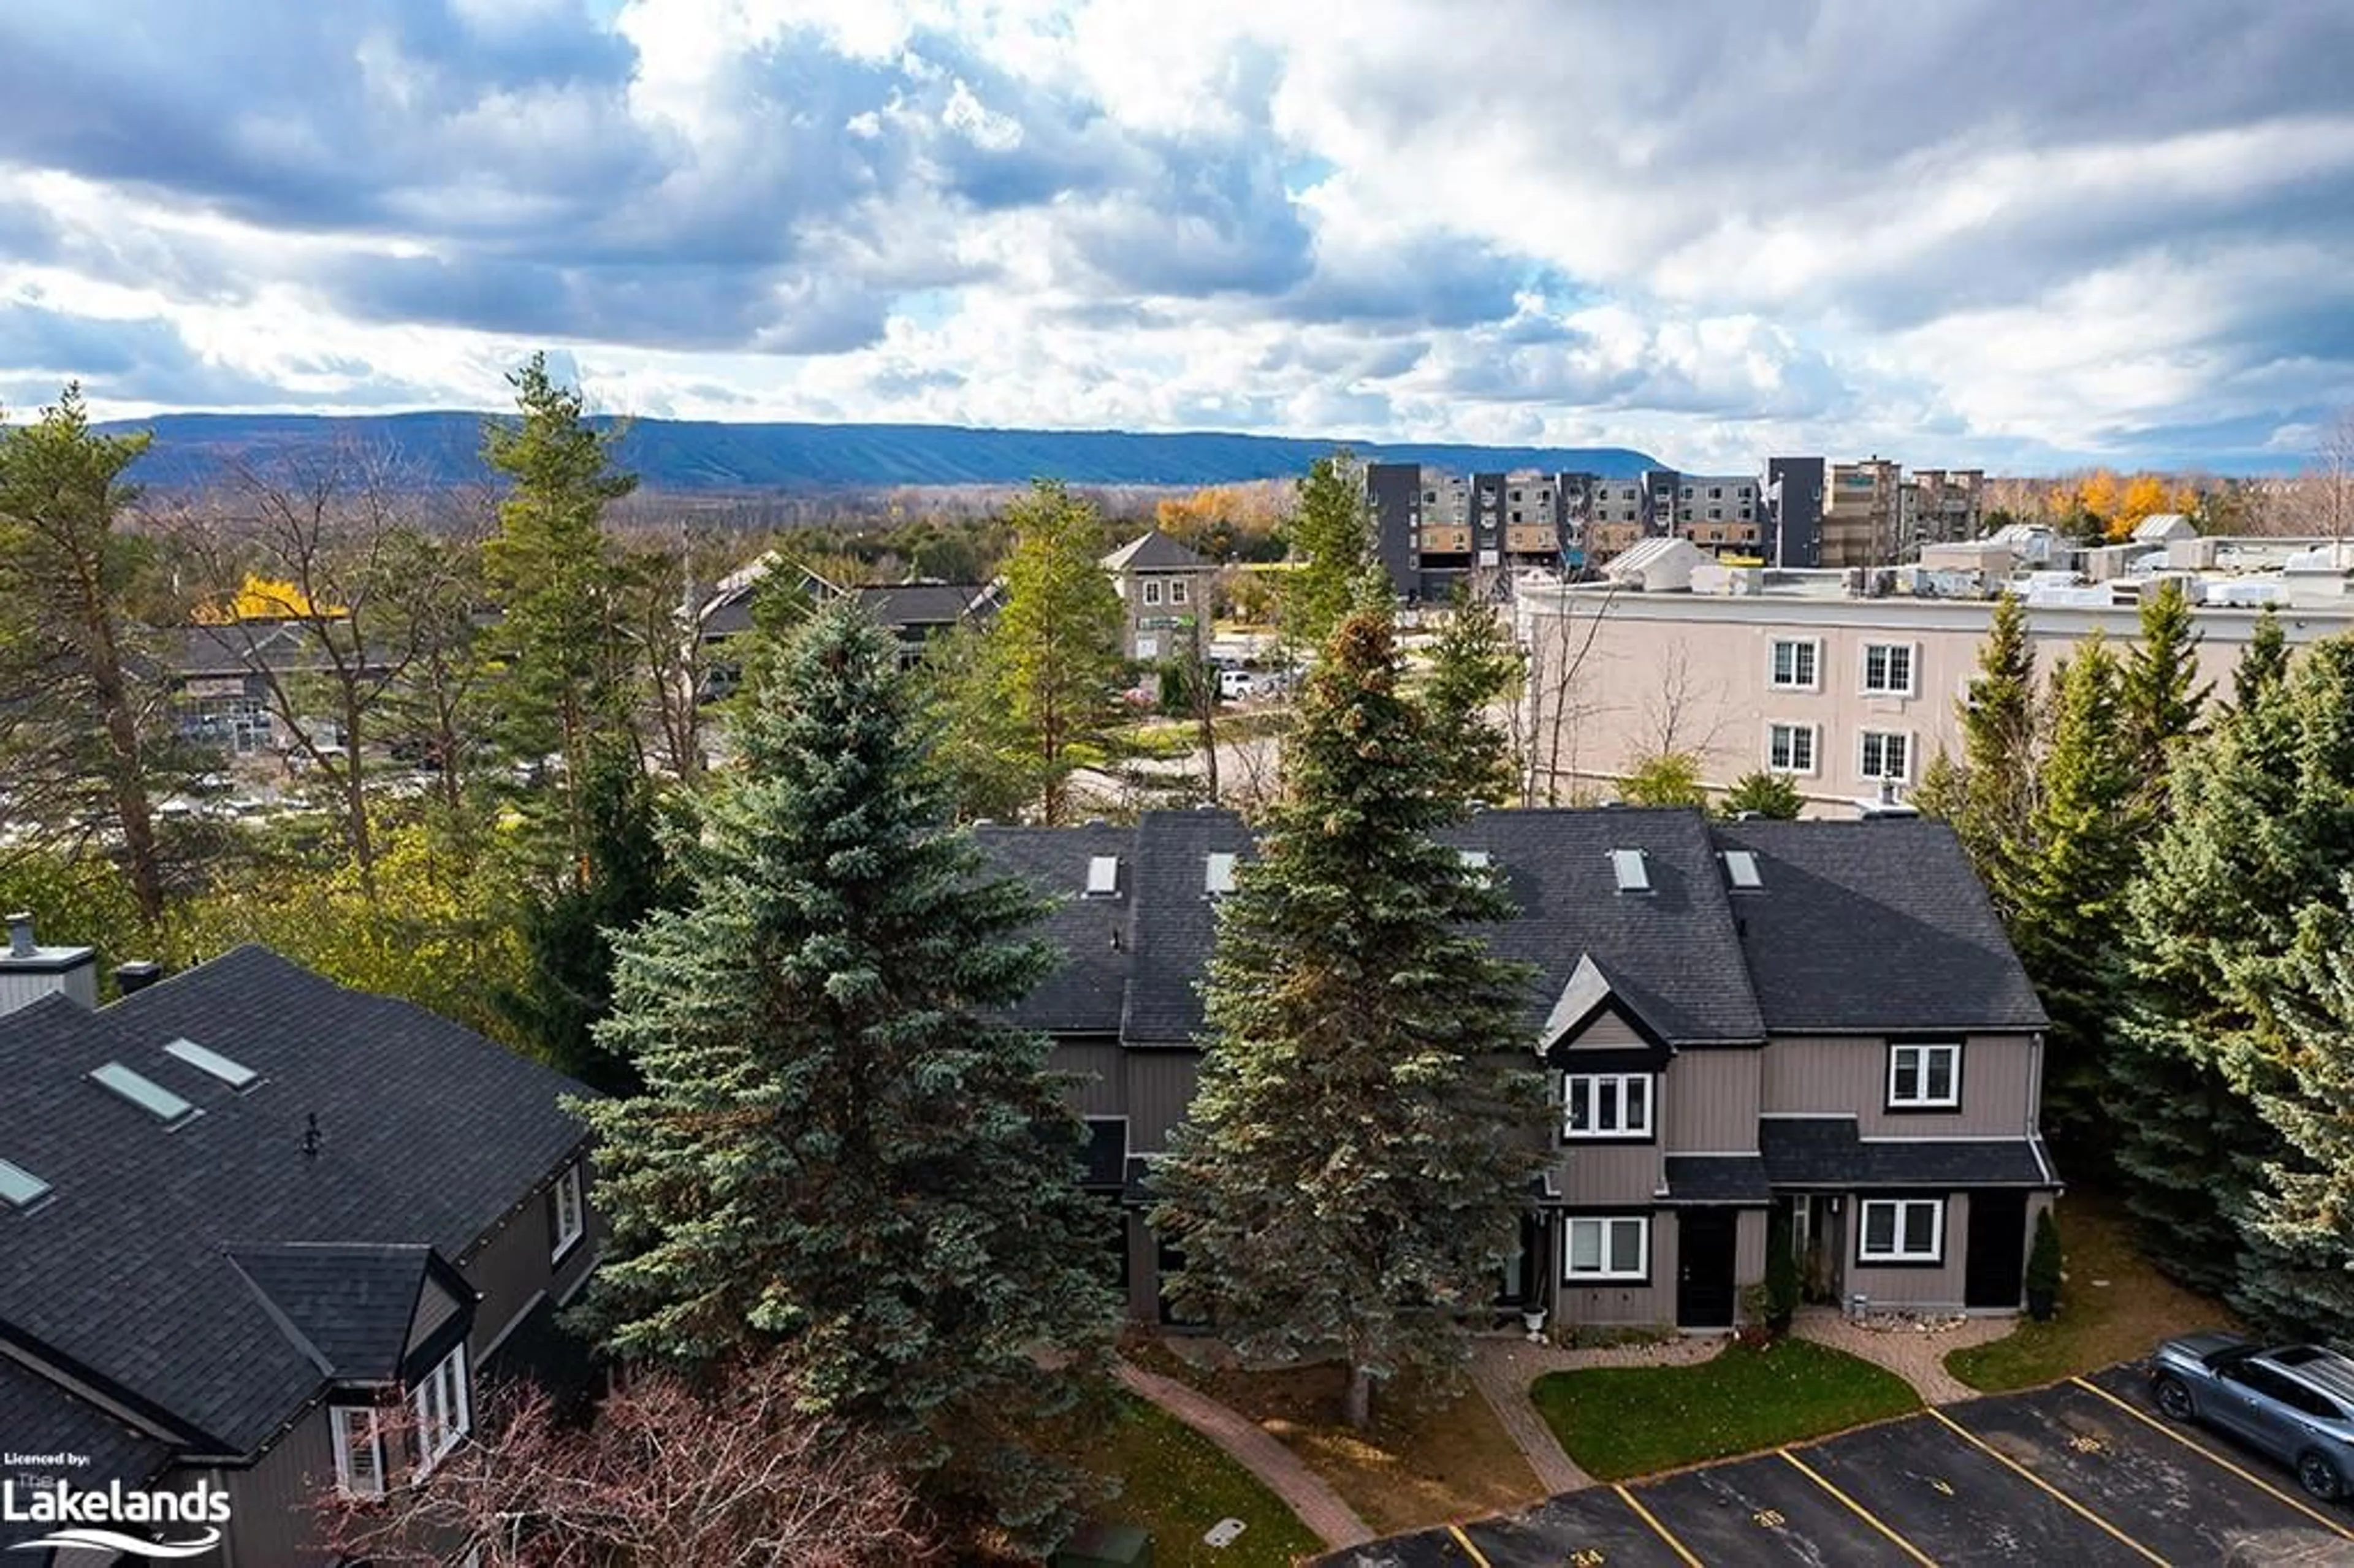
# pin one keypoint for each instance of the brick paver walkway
(1303, 1491)
(1916, 1355)
(1503, 1370)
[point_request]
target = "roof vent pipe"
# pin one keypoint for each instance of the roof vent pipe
(136, 975)
(20, 935)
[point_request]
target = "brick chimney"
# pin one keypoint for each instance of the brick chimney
(29, 971)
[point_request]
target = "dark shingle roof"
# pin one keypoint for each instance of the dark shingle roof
(352, 1304)
(1174, 920)
(905, 604)
(1083, 995)
(1825, 1152)
(37, 1416)
(430, 1135)
(1875, 927)
(1671, 954)
(1716, 1179)
(1154, 551)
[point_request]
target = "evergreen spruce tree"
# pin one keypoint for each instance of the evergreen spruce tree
(1355, 1166)
(1989, 793)
(1474, 665)
(1758, 793)
(2264, 661)
(2067, 883)
(1332, 541)
(839, 1151)
(568, 932)
(2161, 695)
(2262, 828)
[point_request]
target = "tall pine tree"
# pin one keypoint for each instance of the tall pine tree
(1054, 650)
(1989, 793)
(1474, 665)
(2264, 661)
(1332, 538)
(564, 691)
(839, 1149)
(1353, 1168)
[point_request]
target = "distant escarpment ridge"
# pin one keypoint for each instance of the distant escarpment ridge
(444, 450)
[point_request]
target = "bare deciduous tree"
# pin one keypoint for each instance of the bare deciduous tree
(741, 1478)
(1557, 699)
(1684, 713)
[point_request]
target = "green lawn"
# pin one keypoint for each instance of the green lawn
(2114, 1306)
(1176, 1483)
(1631, 1421)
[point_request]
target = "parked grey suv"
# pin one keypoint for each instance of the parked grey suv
(2295, 1402)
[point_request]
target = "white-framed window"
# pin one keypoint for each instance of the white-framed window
(1795, 664)
(1609, 1246)
(1901, 1230)
(1790, 747)
(1888, 669)
(1176, 591)
(1924, 1078)
(1152, 591)
(1605, 1104)
(444, 1408)
(359, 1451)
(1886, 754)
(567, 1218)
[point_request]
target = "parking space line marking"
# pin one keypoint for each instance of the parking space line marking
(1983, 1445)
(2204, 1452)
(1659, 1530)
(1463, 1541)
(1859, 1511)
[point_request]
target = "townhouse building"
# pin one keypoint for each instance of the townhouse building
(268, 1236)
(1849, 683)
(1713, 1049)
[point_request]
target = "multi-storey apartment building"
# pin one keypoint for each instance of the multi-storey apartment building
(1944, 505)
(1846, 683)
(1792, 500)
(1863, 515)
(1706, 1065)
(1433, 529)
(1719, 512)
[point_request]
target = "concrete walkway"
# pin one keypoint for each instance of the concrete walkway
(1502, 1371)
(1913, 1353)
(1303, 1491)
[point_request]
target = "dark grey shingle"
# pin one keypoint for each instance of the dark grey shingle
(352, 1304)
(430, 1135)
(37, 1416)
(1717, 1178)
(1083, 995)
(1871, 928)
(1826, 1151)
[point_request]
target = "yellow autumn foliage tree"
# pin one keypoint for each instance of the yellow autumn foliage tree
(263, 599)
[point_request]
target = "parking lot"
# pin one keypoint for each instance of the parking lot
(2086, 1473)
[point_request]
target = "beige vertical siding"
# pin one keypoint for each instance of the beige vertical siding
(435, 1307)
(1160, 1091)
(1842, 1075)
(1097, 1066)
(1749, 1247)
(1629, 1173)
(1711, 1099)
(1914, 1290)
(1650, 1304)
(1608, 1032)
(273, 1506)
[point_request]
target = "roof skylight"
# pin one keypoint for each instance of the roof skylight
(1627, 865)
(19, 1187)
(1103, 876)
(1741, 869)
(144, 1092)
(1219, 874)
(236, 1075)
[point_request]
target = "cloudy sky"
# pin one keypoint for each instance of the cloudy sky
(2026, 235)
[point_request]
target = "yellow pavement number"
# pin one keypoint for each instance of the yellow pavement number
(2085, 1443)
(1587, 1557)
(1768, 1518)
(1942, 1485)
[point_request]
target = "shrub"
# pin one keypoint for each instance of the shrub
(2043, 1259)
(1781, 1271)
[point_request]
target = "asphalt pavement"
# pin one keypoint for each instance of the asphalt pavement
(2086, 1473)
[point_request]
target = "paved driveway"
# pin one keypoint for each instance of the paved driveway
(2084, 1473)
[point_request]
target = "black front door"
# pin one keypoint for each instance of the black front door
(1705, 1239)
(1996, 1263)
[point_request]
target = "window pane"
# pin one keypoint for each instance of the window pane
(1584, 1246)
(1581, 1105)
(1605, 1104)
(1921, 1227)
(1879, 1227)
(1626, 1246)
(1941, 1074)
(1900, 668)
(1908, 1074)
(1638, 1110)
